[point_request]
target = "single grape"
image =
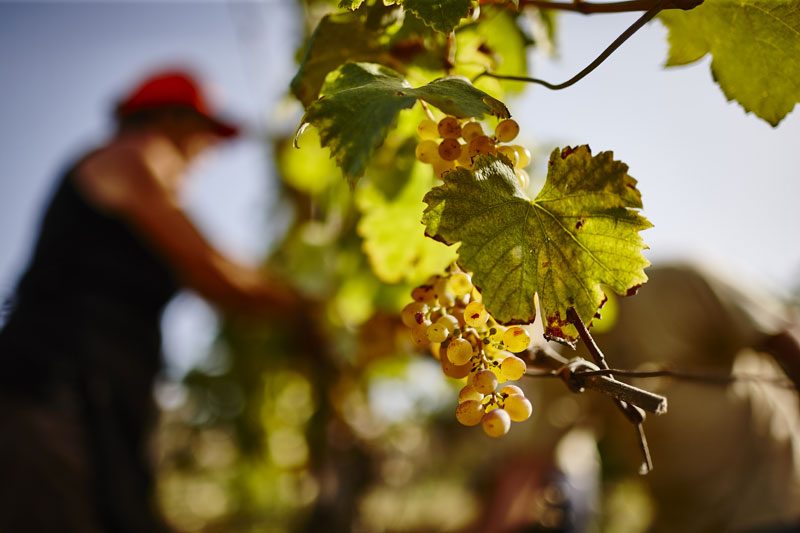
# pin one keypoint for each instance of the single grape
(465, 160)
(481, 145)
(450, 322)
(427, 152)
(516, 339)
(437, 332)
(419, 335)
(484, 381)
(435, 349)
(496, 333)
(513, 368)
(506, 130)
(510, 153)
(450, 149)
(468, 392)
(511, 390)
(469, 413)
(413, 314)
(524, 155)
(442, 167)
(424, 294)
(459, 351)
(496, 423)
(451, 370)
(444, 295)
(470, 130)
(460, 284)
(428, 129)
(475, 314)
(522, 178)
(449, 128)
(519, 408)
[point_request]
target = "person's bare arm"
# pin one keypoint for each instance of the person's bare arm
(130, 190)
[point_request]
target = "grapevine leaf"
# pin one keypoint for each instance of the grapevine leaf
(394, 241)
(755, 46)
(580, 232)
(337, 39)
(362, 101)
(441, 15)
(352, 5)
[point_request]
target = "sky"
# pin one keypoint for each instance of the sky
(718, 184)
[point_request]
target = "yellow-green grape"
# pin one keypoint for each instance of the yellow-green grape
(475, 314)
(435, 349)
(524, 155)
(518, 407)
(513, 368)
(481, 145)
(496, 423)
(516, 339)
(444, 295)
(413, 314)
(484, 381)
(511, 390)
(451, 370)
(506, 130)
(428, 129)
(450, 322)
(460, 284)
(441, 167)
(498, 374)
(496, 333)
(470, 130)
(424, 294)
(449, 128)
(450, 149)
(427, 152)
(523, 178)
(437, 332)
(465, 160)
(468, 392)
(459, 351)
(510, 153)
(419, 335)
(470, 412)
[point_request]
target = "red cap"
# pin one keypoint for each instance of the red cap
(173, 88)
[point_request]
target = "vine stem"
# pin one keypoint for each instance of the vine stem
(634, 414)
(653, 7)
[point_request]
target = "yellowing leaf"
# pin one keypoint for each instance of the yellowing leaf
(755, 49)
(581, 231)
(394, 240)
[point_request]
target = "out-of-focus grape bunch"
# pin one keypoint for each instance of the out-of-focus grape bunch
(448, 318)
(451, 143)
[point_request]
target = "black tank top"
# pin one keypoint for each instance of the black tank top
(91, 297)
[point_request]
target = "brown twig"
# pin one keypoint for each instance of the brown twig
(652, 7)
(589, 8)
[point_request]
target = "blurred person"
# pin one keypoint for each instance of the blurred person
(81, 344)
(726, 458)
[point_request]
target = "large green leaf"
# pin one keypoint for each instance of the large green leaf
(581, 232)
(362, 101)
(441, 15)
(337, 39)
(394, 240)
(755, 46)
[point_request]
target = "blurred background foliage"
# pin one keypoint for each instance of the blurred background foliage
(337, 424)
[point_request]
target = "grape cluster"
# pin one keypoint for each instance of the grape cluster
(448, 317)
(450, 143)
